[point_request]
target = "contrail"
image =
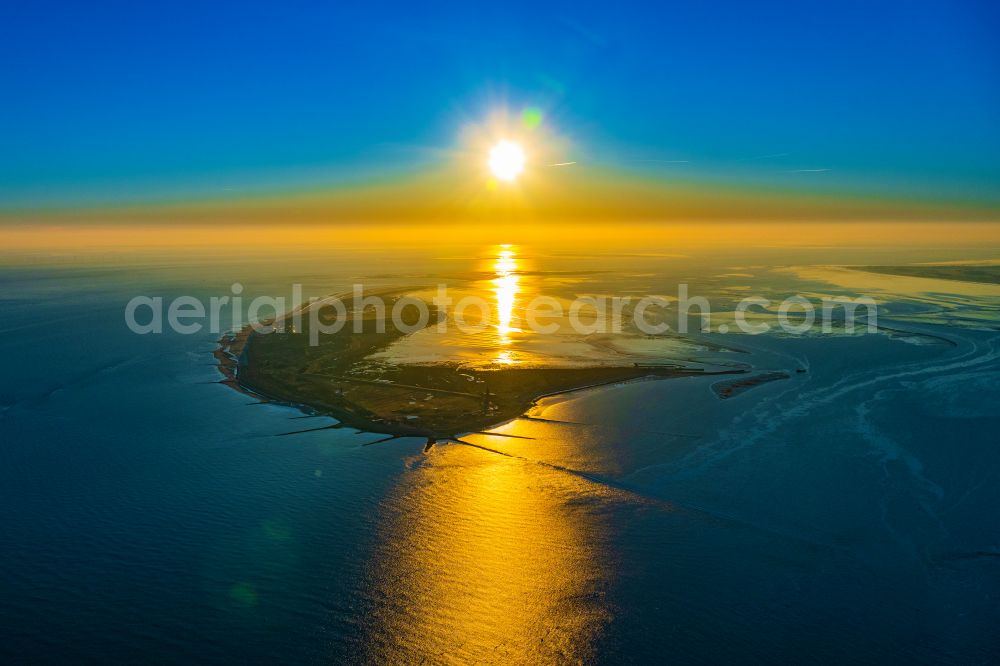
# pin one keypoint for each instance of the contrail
(561, 164)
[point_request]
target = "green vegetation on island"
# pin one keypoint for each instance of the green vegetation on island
(436, 401)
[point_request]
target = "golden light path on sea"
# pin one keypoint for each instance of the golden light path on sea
(505, 289)
(486, 558)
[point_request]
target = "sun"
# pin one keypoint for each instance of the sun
(506, 160)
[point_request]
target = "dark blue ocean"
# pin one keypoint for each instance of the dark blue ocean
(149, 514)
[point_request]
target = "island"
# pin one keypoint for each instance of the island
(336, 377)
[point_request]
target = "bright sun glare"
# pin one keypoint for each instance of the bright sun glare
(506, 160)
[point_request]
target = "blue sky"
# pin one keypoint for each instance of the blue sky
(125, 101)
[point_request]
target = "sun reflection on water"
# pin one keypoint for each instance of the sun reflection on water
(506, 287)
(484, 558)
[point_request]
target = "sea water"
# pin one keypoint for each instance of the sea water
(152, 514)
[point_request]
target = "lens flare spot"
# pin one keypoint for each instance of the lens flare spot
(532, 117)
